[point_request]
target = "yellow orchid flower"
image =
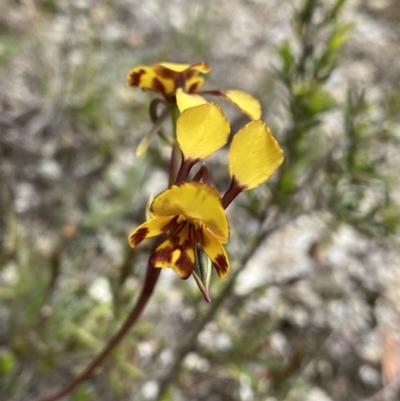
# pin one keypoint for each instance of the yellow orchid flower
(166, 78)
(191, 213)
(180, 83)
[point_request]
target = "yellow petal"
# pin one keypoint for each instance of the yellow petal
(254, 155)
(202, 67)
(193, 84)
(177, 67)
(177, 252)
(247, 103)
(147, 78)
(186, 101)
(151, 228)
(201, 131)
(215, 251)
(196, 201)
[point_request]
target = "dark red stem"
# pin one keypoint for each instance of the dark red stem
(174, 163)
(234, 190)
(148, 287)
(212, 93)
(184, 170)
(203, 174)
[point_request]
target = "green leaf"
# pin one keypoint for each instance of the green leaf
(339, 36)
(319, 101)
(7, 362)
(287, 58)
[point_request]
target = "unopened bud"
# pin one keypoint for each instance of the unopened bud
(202, 272)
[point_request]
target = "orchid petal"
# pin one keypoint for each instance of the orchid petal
(194, 84)
(176, 252)
(215, 251)
(245, 102)
(254, 155)
(176, 67)
(197, 201)
(201, 131)
(186, 101)
(151, 228)
(202, 67)
(146, 77)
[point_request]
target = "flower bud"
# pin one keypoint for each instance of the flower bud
(202, 272)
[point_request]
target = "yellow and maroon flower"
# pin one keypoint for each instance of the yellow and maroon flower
(166, 78)
(191, 213)
(180, 83)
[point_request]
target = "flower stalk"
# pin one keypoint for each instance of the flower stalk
(150, 282)
(189, 216)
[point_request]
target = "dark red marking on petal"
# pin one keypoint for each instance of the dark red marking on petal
(192, 234)
(183, 77)
(162, 255)
(134, 77)
(137, 237)
(221, 265)
(170, 224)
(158, 87)
(184, 263)
(179, 77)
(176, 231)
(165, 72)
(188, 74)
(194, 87)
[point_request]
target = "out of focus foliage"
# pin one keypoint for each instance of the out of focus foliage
(71, 190)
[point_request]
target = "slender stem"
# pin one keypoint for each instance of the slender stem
(160, 119)
(154, 106)
(176, 160)
(176, 154)
(147, 290)
(212, 93)
(198, 176)
(184, 170)
(145, 142)
(152, 273)
(234, 190)
(174, 112)
(203, 174)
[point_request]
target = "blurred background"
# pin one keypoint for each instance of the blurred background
(311, 309)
